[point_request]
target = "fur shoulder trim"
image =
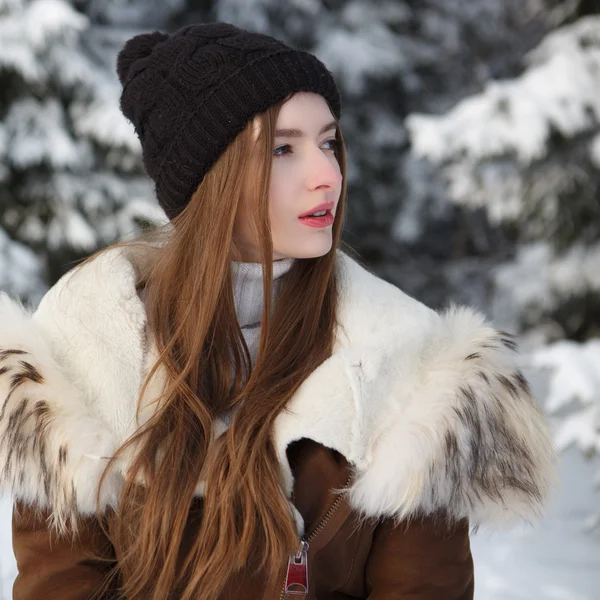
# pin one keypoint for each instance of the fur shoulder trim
(431, 409)
(70, 377)
(52, 447)
(464, 434)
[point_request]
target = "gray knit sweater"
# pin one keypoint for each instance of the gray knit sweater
(248, 296)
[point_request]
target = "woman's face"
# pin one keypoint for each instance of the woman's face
(305, 175)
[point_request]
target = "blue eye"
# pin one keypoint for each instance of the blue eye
(334, 143)
(287, 149)
(277, 153)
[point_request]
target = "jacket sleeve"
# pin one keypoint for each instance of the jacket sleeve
(59, 568)
(420, 560)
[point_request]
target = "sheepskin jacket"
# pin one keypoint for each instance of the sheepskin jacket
(423, 412)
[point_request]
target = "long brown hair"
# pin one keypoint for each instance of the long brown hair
(205, 362)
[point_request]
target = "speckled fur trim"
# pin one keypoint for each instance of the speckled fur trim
(52, 450)
(430, 409)
(465, 437)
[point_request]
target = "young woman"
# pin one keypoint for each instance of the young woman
(231, 406)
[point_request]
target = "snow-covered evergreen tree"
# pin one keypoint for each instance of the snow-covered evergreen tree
(70, 163)
(526, 150)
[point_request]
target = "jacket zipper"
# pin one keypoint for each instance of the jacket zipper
(305, 541)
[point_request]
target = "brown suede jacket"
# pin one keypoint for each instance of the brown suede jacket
(423, 418)
(422, 559)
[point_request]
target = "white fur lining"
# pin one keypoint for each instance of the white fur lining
(429, 408)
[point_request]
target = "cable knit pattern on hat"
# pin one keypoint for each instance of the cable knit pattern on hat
(189, 93)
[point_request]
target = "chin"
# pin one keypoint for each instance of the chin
(307, 251)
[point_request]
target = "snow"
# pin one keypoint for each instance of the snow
(488, 145)
(539, 276)
(559, 91)
(45, 20)
(70, 68)
(67, 153)
(539, 280)
(37, 133)
(419, 203)
(574, 373)
(3, 151)
(556, 560)
(20, 269)
(110, 204)
(26, 29)
(138, 13)
(487, 142)
(69, 227)
(574, 390)
(367, 45)
(595, 151)
(254, 16)
(103, 121)
(8, 568)
(353, 57)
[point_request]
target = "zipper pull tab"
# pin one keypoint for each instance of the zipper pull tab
(296, 582)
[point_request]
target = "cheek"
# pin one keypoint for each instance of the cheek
(278, 211)
(281, 194)
(277, 184)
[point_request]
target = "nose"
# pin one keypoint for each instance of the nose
(324, 171)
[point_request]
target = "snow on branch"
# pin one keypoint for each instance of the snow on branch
(37, 133)
(28, 29)
(539, 280)
(575, 389)
(20, 269)
(575, 378)
(103, 121)
(560, 90)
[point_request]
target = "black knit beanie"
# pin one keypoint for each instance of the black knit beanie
(189, 93)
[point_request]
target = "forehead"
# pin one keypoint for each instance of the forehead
(304, 110)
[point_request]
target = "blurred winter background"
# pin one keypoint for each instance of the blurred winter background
(473, 129)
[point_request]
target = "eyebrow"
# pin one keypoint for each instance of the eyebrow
(297, 133)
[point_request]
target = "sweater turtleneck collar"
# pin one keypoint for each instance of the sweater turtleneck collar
(248, 288)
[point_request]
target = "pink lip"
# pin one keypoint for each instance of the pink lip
(325, 221)
(323, 206)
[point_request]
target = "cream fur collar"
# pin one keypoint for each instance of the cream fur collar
(430, 408)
